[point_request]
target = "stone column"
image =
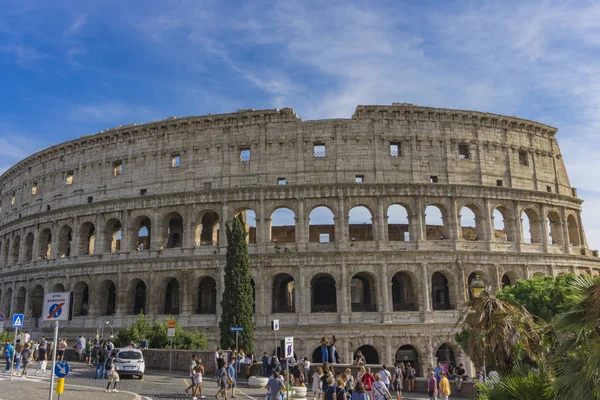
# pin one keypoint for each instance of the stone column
(301, 227)
(565, 230)
(381, 224)
(517, 226)
(222, 222)
(189, 228)
(342, 223)
(260, 296)
(343, 294)
(544, 230)
(301, 295)
(416, 222)
(582, 239)
(186, 293)
(75, 237)
(427, 316)
(487, 226)
(453, 221)
(261, 220)
(496, 281)
(385, 295)
(387, 357)
(54, 242)
(346, 353)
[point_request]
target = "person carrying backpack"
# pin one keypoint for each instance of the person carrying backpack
(113, 376)
(100, 361)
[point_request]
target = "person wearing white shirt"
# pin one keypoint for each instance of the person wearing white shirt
(385, 376)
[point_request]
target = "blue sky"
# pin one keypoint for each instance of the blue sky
(77, 67)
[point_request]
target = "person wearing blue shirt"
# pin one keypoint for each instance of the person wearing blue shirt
(231, 371)
(9, 351)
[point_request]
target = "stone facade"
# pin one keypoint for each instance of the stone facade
(129, 220)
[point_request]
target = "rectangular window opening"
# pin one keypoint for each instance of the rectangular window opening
(433, 179)
(395, 149)
(463, 151)
(548, 189)
(281, 181)
(117, 168)
(143, 191)
(359, 179)
(523, 158)
(319, 150)
(207, 185)
(499, 182)
(175, 161)
(13, 199)
(34, 188)
(90, 199)
(324, 238)
(245, 154)
(70, 178)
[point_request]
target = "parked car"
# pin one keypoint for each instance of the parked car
(130, 362)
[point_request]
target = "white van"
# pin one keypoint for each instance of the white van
(130, 362)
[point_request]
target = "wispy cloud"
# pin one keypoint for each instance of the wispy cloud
(110, 112)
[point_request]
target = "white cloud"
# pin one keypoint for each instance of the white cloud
(110, 112)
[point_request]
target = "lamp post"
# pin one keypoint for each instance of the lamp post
(477, 286)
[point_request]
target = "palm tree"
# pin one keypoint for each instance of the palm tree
(521, 383)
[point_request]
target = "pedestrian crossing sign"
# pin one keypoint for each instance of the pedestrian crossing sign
(17, 321)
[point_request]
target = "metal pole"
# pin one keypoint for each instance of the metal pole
(54, 346)
(287, 378)
(12, 362)
(237, 354)
(171, 356)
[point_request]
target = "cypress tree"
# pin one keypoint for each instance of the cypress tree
(238, 302)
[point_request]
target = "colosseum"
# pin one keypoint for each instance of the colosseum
(370, 228)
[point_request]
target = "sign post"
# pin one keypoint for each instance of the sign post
(17, 323)
(289, 353)
(57, 307)
(237, 330)
(275, 327)
(171, 324)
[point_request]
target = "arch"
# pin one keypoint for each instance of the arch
(174, 230)
(436, 227)
(323, 293)
(508, 279)
(59, 287)
(408, 354)
(36, 301)
(108, 295)
(403, 295)
(369, 352)
(530, 224)
(499, 223)
(362, 293)
(360, 224)
(5, 248)
(440, 292)
(87, 239)
(283, 226)
(20, 300)
(321, 225)
(207, 231)
(284, 294)
(445, 355)
(573, 229)
(28, 256)
(398, 223)
(14, 252)
(142, 229)
(112, 241)
(45, 245)
(554, 228)
(65, 238)
(247, 217)
(538, 274)
(81, 299)
(207, 296)
(172, 297)
(8, 302)
(139, 291)
(470, 229)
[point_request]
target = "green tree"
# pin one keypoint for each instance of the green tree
(237, 303)
(543, 297)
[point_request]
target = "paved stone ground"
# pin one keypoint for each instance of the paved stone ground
(156, 385)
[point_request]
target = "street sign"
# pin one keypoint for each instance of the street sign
(61, 369)
(236, 329)
(171, 323)
(1, 326)
(275, 325)
(170, 332)
(289, 346)
(1, 317)
(17, 321)
(56, 306)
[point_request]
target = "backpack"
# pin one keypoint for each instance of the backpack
(109, 363)
(274, 362)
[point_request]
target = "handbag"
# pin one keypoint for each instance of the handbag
(385, 395)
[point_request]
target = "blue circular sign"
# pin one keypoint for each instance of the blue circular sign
(61, 369)
(1, 317)
(53, 308)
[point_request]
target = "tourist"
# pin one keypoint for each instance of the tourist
(26, 337)
(192, 367)
(317, 385)
(397, 380)
(437, 371)
(275, 386)
(18, 358)
(232, 375)
(80, 347)
(359, 392)
(359, 359)
(198, 374)
(349, 381)
(265, 364)
(42, 359)
(113, 375)
(329, 388)
(9, 351)
(432, 386)
(223, 379)
(60, 349)
(340, 390)
(217, 356)
(248, 363)
(101, 360)
(26, 356)
(444, 386)
(324, 351)
(274, 363)
(88, 352)
(144, 344)
(411, 376)
(331, 350)
(306, 367)
(460, 376)
(385, 376)
(368, 379)
(380, 390)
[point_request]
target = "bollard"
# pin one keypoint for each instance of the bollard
(60, 385)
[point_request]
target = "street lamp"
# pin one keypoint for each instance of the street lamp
(477, 286)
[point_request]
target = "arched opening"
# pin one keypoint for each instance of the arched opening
(8, 302)
(29, 247)
(207, 296)
(283, 226)
(58, 288)
(538, 274)
(482, 277)
(45, 245)
(506, 281)
(323, 294)
(248, 220)
(174, 230)
(408, 354)
(435, 223)
(172, 297)
(469, 228)
(14, 253)
(398, 223)
(207, 232)
(109, 298)
(65, 237)
(20, 301)
(36, 301)
(360, 224)
(369, 352)
(284, 294)
(5, 248)
(530, 223)
(499, 223)
(573, 228)
(554, 228)
(81, 297)
(362, 293)
(113, 236)
(321, 225)
(403, 298)
(143, 229)
(139, 297)
(440, 292)
(87, 235)
(445, 355)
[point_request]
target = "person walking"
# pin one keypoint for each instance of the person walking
(60, 349)
(42, 359)
(9, 352)
(192, 368)
(248, 364)
(113, 375)
(324, 351)
(265, 364)
(275, 387)
(223, 379)
(380, 390)
(397, 380)
(432, 388)
(340, 391)
(26, 356)
(329, 389)
(437, 371)
(100, 361)
(385, 376)
(444, 386)
(317, 385)
(411, 376)
(306, 367)
(80, 347)
(198, 374)
(217, 355)
(88, 352)
(359, 392)
(349, 381)
(231, 370)
(368, 379)
(18, 358)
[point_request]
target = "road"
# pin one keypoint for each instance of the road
(156, 385)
